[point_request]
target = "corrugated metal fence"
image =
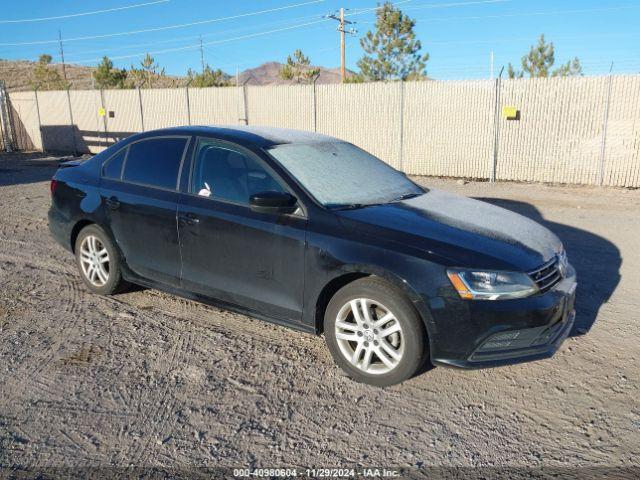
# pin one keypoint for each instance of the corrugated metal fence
(583, 130)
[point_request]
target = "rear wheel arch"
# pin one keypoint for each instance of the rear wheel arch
(85, 222)
(75, 231)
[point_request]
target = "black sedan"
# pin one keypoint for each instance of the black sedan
(314, 233)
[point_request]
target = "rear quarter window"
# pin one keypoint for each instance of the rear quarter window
(155, 162)
(112, 168)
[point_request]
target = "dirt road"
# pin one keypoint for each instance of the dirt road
(146, 378)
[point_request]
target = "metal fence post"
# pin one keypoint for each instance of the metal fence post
(141, 108)
(244, 101)
(402, 126)
(496, 128)
(35, 92)
(4, 118)
(104, 120)
(71, 124)
(605, 123)
(2, 138)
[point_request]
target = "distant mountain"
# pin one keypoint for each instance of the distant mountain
(269, 74)
(18, 75)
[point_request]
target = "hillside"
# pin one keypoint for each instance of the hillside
(269, 74)
(18, 75)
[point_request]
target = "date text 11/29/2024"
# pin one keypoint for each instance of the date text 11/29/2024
(316, 473)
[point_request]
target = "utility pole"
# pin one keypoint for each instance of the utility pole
(64, 70)
(201, 54)
(341, 29)
(342, 45)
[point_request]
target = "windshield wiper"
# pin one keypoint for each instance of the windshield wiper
(406, 196)
(352, 206)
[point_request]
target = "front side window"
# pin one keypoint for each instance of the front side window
(113, 166)
(228, 174)
(339, 174)
(155, 162)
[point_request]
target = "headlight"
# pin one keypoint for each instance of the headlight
(563, 263)
(491, 285)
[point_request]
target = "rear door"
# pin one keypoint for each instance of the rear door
(231, 253)
(139, 191)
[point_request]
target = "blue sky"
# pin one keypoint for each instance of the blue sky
(458, 34)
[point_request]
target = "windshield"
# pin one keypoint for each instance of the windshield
(339, 174)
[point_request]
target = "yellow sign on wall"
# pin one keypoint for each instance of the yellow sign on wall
(509, 111)
(102, 112)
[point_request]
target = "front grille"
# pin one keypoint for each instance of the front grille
(547, 276)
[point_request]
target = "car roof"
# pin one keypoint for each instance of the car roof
(263, 137)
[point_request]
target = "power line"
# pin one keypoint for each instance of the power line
(533, 14)
(83, 14)
(167, 27)
(357, 11)
(186, 47)
(214, 42)
(514, 39)
(456, 4)
(128, 46)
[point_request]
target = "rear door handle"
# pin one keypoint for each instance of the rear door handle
(112, 203)
(189, 219)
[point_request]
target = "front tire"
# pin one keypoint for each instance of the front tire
(98, 261)
(374, 333)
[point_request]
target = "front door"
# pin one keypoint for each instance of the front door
(140, 200)
(231, 253)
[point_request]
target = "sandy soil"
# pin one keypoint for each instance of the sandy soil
(147, 378)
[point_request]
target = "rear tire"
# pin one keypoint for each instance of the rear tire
(98, 261)
(374, 333)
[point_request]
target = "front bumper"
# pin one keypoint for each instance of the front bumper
(489, 334)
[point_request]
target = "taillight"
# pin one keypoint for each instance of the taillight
(54, 185)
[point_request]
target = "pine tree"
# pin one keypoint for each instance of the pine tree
(392, 52)
(149, 72)
(106, 76)
(539, 61)
(45, 77)
(208, 78)
(569, 69)
(298, 68)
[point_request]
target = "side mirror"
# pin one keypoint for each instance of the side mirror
(273, 202)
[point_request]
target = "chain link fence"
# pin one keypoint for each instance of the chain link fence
(578, 130)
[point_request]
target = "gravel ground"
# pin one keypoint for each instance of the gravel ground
(149, 379)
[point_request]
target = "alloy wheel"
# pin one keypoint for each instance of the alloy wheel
(369, 336)
(94, 259)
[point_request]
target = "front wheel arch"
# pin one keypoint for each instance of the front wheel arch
(354, 272)
(413, 340)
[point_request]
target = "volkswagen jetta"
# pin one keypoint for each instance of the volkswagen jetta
(312, 232)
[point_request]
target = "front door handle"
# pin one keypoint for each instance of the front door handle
(112, 203)
(189, 219)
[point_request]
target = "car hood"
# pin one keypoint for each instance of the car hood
(461, 231)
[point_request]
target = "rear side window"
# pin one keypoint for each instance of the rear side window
(155, 162)
(113, 167)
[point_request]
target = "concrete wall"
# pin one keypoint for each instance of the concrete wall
(452, 128)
